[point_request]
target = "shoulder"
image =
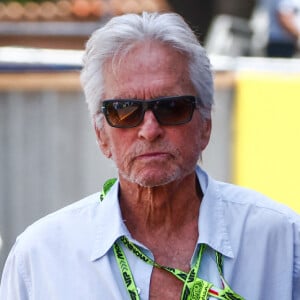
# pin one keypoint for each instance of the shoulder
(246, 196)
(73, 220)
(66, 214)
(236, 199)
(257, 208)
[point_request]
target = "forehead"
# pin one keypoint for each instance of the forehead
(147, 70)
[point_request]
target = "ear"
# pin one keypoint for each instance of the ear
(102, 140)
(206, 131)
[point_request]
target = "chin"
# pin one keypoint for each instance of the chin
(155, 178)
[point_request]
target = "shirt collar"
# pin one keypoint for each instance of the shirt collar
(109, 223)
(212, 224)
(213, 227)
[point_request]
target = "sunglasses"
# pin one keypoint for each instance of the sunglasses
(168, 111)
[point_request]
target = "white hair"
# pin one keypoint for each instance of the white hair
(123, 32)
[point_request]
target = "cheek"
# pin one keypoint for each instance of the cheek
(187, 142)
(119, 146)
(194, 146)
(194, 139)
(200, 130)
(112, 141)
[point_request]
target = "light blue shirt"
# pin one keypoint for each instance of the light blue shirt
(68, 255)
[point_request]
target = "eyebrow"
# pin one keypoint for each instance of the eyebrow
(128, 97)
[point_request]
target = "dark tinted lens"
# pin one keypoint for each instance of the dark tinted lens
(174, 111)
(124, 114)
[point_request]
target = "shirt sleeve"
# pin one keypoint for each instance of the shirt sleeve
(14, 283)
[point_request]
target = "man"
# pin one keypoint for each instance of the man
(165, 229)
(284, 28)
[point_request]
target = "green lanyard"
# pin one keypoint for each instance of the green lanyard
(194, 288)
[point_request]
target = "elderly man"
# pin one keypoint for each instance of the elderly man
(164, 229)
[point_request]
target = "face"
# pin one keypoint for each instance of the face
(150, 154)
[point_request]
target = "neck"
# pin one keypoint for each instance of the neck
(160, 211)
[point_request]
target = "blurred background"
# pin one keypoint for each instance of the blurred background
(48, 152)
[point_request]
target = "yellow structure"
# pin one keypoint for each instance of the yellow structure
(266, 151)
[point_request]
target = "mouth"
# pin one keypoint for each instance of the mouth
(153, 155)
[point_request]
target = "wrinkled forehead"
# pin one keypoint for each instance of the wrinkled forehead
(144, 49)
(147, 71)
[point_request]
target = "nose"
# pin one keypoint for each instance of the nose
(150, 129)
